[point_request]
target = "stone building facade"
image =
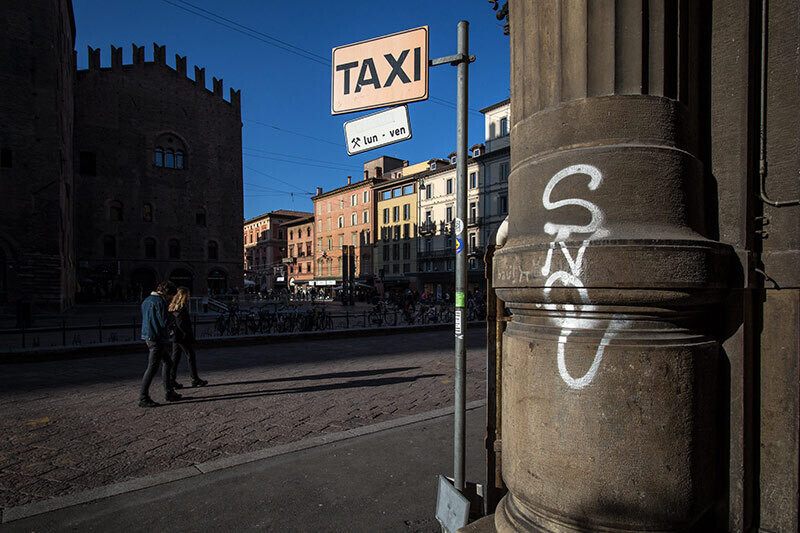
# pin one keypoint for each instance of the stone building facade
(396, 242)
(346, 216)
(437, 214)
(300, 252)
(649, 366)
(37, 82)
(265, 248)
(159, 176)
(495, 170)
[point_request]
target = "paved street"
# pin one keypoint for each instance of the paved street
(70, 426)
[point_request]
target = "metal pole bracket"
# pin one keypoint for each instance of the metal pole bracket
(454, 60)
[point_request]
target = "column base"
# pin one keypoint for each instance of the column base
(484, 525)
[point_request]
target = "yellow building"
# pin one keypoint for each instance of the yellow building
(396, 242)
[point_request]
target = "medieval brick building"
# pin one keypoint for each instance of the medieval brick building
(159, 176)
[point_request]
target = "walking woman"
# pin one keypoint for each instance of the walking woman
(183, 338)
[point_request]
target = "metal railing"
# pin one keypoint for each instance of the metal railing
(270, 318)
(426, 254)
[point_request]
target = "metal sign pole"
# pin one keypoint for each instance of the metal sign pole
(462, 60)
(461, 256)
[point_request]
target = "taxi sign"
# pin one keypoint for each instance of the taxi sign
(376, 130)
(380, 72)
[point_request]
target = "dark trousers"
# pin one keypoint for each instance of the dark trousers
(159, 355)
(177, 348)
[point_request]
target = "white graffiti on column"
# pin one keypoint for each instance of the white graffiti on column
(561, 232)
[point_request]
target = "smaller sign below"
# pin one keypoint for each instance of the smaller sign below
(376, 130)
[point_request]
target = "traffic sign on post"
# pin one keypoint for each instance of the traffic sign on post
(376, 130)
(380, 72)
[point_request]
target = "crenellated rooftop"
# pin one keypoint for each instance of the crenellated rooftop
(160, 58)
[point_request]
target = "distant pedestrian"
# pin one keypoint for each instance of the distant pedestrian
(183, 339)
(155, 333)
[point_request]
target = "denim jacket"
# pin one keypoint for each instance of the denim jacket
(154, 318)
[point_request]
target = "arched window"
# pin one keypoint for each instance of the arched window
(109, 246)
(170, 151)
(150, 248)
(115, 210)
(174, 249)
(147, 212)
(212, 250)
(200, 217)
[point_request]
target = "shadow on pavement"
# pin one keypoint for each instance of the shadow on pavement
(114, 368)
(298, 390)
(330, 375)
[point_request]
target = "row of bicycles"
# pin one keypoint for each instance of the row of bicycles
(389, 314)
(288, 318)
(272, 320)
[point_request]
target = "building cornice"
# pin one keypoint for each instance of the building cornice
(356, 185)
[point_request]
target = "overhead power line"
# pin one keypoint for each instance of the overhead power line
(292, 132)
(277, 43)
(261, 188)
(278, 180)
(259, 156)
(270, 37)
(292, 156)
(289, 48)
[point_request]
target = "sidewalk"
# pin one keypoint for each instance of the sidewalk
(74, 425)
(376, 478)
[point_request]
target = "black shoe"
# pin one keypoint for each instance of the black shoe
(147, 402)
(177, 385)
(199, 383)
(172, 396)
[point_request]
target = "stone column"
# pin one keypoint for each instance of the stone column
(609, 367)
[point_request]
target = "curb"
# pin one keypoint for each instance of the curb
(61, 353)
(11, 514)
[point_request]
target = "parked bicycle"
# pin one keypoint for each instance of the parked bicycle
(228, 323)
(381, 315)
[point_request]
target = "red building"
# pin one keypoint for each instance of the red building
(265, 247)
(346, 217)
(300, 258)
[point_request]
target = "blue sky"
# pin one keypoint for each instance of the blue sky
(292, 144)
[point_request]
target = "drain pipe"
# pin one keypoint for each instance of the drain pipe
(762, 164)
(495, 325)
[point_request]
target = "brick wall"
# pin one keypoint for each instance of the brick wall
(37, 81)
(123, 115)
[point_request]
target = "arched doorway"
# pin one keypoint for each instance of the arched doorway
(143, 282)
(217, 282)
(182, 278)
(103, 283)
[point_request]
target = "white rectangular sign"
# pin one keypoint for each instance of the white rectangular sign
(376, 130)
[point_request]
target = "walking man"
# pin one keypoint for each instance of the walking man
(155, 333)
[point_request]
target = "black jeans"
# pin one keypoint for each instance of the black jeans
(177, 348)
(159, 354)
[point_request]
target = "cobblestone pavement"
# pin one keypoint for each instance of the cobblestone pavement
(69, 426)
